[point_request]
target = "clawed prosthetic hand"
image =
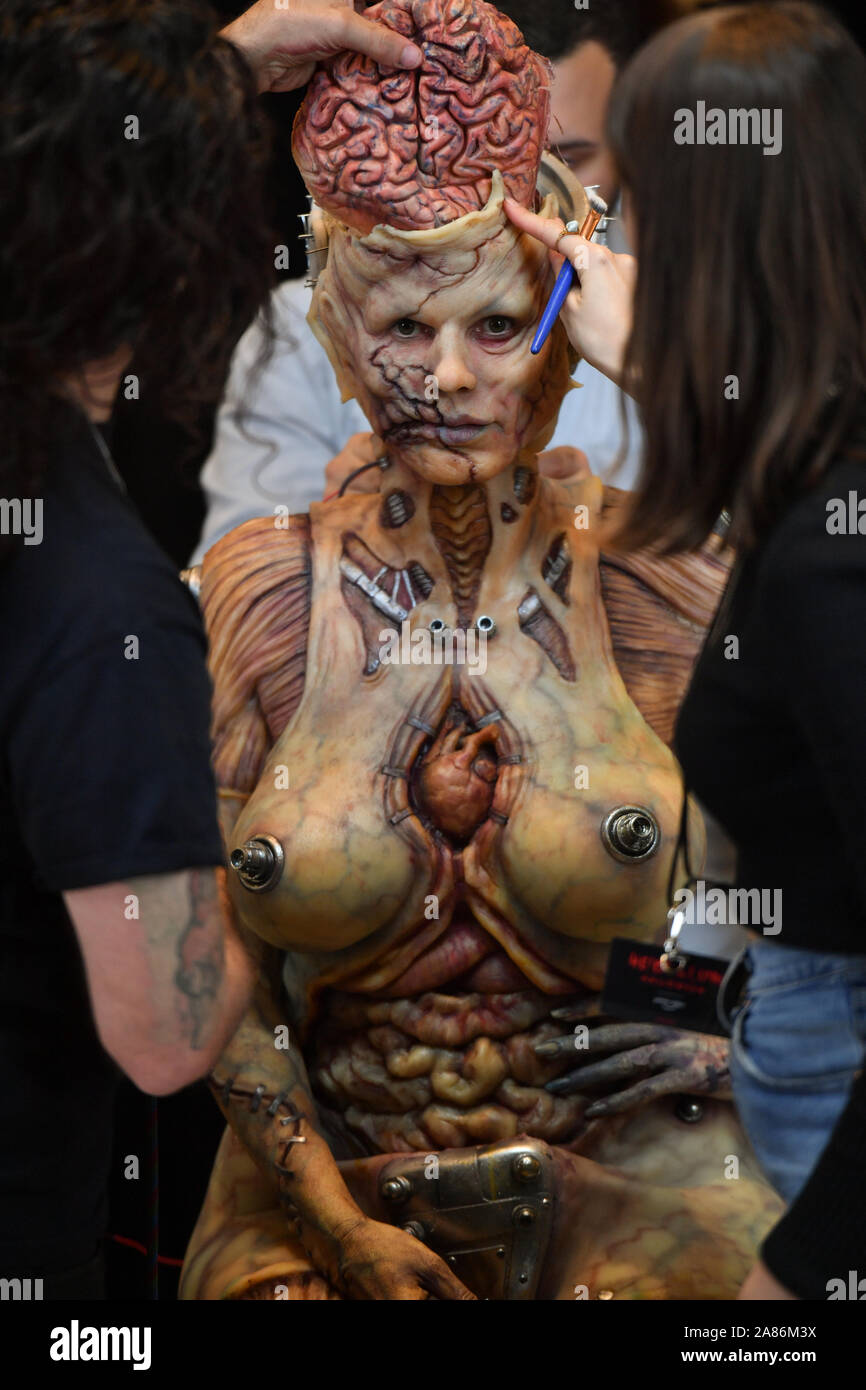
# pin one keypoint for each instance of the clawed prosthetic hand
(432, 702)
(642, 1061)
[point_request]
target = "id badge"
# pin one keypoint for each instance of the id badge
(636, 987)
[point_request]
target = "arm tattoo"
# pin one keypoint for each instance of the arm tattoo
(200, 954)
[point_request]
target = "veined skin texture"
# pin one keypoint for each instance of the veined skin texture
(418, 1033)
(446, 883)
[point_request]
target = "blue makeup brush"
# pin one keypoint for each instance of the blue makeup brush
(568, 274)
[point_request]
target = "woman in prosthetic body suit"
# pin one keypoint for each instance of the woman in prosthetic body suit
(425, 869)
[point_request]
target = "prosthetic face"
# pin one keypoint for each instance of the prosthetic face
(431, 333)
(429, 299)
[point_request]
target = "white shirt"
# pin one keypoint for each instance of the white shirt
(276, 432)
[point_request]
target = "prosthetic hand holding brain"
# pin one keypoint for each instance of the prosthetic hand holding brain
(438, 709)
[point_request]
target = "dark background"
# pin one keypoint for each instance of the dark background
(160, 465)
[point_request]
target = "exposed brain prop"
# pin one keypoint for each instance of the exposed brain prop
(417, 149)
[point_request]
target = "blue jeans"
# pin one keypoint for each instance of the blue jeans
(798, 1040)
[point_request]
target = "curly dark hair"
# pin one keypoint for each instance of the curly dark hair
(132, 150)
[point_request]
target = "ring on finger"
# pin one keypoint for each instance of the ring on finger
(570, 229)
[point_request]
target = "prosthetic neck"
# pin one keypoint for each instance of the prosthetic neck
(467, 521)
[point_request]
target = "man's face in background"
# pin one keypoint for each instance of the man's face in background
(583, 81)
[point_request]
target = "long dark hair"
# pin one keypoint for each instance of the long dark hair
(748, 350)
(132, 209)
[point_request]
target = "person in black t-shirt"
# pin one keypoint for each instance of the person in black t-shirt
(742, 335)
(131, 222)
